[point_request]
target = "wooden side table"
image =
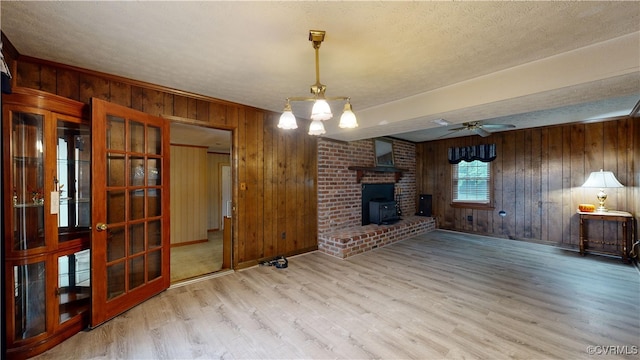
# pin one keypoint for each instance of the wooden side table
(619, 216)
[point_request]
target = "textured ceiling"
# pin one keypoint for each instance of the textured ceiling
(403, 64)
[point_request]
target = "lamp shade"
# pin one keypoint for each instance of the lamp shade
(348, 119)
(602, 179)
(316, 128)
(287, 119)
(321, 110)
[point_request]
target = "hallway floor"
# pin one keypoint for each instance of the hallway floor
(199, 259)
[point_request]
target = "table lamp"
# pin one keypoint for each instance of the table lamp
(601, 180)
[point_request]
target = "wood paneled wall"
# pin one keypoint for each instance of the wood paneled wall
(278, 169)
(189, 193)
(277, 213)
(537, 178)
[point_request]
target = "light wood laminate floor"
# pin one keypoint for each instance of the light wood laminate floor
(438, 295)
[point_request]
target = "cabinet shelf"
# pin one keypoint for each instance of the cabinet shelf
(361, 170)
(27, 205)
(74, 201)
(73, 302)
(74, 296)
(30, 160)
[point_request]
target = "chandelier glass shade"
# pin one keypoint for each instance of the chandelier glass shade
(348, 118)
(287, 119)
(316, 127)
(321, 110)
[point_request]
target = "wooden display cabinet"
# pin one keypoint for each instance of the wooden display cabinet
(46, 167)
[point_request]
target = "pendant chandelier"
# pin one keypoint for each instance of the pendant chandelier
(321, 110)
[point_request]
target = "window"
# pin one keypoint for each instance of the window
(471, 183)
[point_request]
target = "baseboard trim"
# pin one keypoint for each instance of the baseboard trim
(189, 243)
(202, 278)
(252, 263)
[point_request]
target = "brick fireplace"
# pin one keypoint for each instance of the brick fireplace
(340, 229)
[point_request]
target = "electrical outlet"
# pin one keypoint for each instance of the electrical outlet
(283, 235)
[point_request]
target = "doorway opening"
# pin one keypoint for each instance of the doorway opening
(201, 198)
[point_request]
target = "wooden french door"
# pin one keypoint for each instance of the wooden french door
(130, 209)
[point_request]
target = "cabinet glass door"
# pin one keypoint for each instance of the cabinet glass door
(74, 283)
(73, 181)
(28, 181)
(29, 305)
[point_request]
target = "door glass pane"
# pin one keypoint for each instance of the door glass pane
(74, 182)
(154, 140)
(154, 264)
(137, 171)
(115, 169)
(154, 235)
(73, 284)
(115, 133)
(136, 272)
(154, 171)
(28, 181)
(136, 238)
(115, 243)
(115, 206)
(29, 300)
(137, 137)
(115, 280)
(153, 206)
(136, 210)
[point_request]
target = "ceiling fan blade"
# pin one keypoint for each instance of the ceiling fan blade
(498, 126)
(452, 131)
(480, 131)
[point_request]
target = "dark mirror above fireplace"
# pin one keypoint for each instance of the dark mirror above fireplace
(384, 160)
(384, 152)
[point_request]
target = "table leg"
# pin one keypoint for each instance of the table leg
(581, 236)
(625, 240)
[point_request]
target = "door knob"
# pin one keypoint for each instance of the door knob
(101, 227)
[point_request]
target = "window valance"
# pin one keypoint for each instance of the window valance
(484, 153)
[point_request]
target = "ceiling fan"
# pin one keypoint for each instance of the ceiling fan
(482, 129)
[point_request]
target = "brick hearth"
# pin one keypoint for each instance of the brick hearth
(352, 241)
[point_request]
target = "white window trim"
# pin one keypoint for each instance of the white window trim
(488, 203)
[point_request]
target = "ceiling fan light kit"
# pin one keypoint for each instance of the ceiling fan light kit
(321, 110)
